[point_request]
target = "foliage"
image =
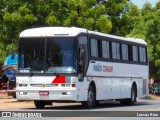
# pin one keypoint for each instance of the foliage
(118, 17)
(17, 15)
(148, 28)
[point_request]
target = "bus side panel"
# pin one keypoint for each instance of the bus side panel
(121, 80)
(99, 82)
(140, 75)
(117, 82)
(126, 87)
(101, 74)
(82, 89)
(107, 89)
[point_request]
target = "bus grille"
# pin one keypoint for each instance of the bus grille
(50, 85)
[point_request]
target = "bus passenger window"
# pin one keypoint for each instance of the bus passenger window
(105, 49)
(124, 52)
(142, 53)
(135, 53)
(94, 48)
(116, 50)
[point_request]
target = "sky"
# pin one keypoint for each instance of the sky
(140, 3)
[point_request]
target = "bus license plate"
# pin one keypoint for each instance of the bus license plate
(43, 93)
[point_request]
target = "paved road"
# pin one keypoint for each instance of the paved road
(147, 106)
(141, 105)
(107, 108)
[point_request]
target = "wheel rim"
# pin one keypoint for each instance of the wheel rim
(133, 95)
(90, 96)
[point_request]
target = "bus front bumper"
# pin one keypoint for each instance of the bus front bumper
(54, 95)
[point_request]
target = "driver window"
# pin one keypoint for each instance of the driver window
(82, 40)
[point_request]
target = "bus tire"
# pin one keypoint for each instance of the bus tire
(97, 102)
(14, 95)
(123, 102)
(91, 98)
(133, 98)
(39, 104)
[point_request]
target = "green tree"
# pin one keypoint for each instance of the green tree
(148, 28)
(118, 17)
(115, 9)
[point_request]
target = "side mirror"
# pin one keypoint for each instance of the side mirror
(81, 56)
(80, 76)
(81, 63)
(81, 53)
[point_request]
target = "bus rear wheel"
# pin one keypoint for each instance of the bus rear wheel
(132, 100)
(90, 103)
(39, 104)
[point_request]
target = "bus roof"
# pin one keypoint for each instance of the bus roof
(52, 31)
(135, 40)
(70, 31)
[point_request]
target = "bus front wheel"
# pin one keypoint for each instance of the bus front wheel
(90, 103)
(39, 104)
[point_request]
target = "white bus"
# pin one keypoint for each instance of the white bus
(64, 64)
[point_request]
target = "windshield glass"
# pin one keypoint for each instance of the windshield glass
(50, 55)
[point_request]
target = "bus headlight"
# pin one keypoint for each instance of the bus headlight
(22, 93)
(21, 85)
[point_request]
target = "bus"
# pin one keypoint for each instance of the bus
(70, 64)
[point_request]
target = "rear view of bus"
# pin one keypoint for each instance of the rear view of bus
(63, 64)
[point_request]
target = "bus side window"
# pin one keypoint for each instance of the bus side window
(105, 49)
(124, 52)
(135, 53)
(142, 53)
(94, 47)
(116, 50)
(82, 40)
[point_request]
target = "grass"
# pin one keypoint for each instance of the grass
(153, 97)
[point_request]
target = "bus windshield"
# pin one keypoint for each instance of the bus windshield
(50, 55)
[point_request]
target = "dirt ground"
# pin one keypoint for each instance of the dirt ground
(153, 97)
(8, 103)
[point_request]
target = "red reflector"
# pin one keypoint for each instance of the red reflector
(73, 85)
(44, 93)
(59, 79)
